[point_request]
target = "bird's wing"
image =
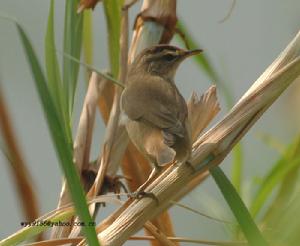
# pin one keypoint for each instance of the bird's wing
(159, 104)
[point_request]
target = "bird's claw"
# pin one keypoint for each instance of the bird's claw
(142, 194)
(191, 166)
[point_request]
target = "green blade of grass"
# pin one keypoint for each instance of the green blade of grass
(237, 167)
(288, 162)
(72, 46)
(203, 62)
(238, 208)
(112, 10)
(90, 67)
(62, 146)
(88, 36)
(287, 227)
(53, 73)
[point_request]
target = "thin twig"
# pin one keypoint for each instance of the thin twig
(159, 235)
(226, 17)
(200, 213)
(196, 241)
(92, 68)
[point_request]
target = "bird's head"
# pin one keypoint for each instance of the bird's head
(162, 60)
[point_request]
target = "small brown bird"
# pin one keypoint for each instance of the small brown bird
(156, 113)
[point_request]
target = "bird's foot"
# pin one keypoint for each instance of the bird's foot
(191, 166)
(139, 194)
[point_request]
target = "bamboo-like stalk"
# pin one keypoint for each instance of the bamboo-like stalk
(209, 150)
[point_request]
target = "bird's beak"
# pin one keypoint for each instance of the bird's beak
(188, 53)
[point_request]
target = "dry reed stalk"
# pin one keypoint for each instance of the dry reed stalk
(82, 143)
(22, 179)
(209, 150)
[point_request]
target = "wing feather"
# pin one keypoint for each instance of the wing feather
(156, 102)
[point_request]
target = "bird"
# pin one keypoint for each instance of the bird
(153, 110)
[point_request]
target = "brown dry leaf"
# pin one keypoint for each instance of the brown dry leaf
(202, 110)
(105, 101)
(86, 4)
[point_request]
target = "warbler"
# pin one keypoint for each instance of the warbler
(156, 113)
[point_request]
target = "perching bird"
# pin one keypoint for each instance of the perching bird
(155, 111)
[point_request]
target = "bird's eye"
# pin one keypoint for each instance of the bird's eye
(169, 57)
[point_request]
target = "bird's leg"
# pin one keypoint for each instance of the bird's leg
(128, 4)
(139, 193)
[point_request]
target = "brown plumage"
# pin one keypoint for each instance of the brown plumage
(157, 116)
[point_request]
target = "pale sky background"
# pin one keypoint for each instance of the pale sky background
(240, 49)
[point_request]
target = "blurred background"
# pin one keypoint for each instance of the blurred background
(240, 49)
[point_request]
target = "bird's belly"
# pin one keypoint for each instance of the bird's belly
(138, 133)
(149, 141)
(123, 118)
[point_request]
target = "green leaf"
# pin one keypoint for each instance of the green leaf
(72, 46)
(204, 63)
(88, 36)
(288, 162)
(53, 73)
(237, 167)
(90, 67)
(238, 208)
(112, 10)
(271, 142)
(286, 229)
(62, 146)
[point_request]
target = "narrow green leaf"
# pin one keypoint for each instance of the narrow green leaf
(237, 167)
(72, 46)
(288, 162)
(238, 208)
(286, 229)
(272, 142)
(204, 63)
(63, 147)
(53, 73)
(88, 36)
(112, 10)
(285, 194)
(90, 67)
